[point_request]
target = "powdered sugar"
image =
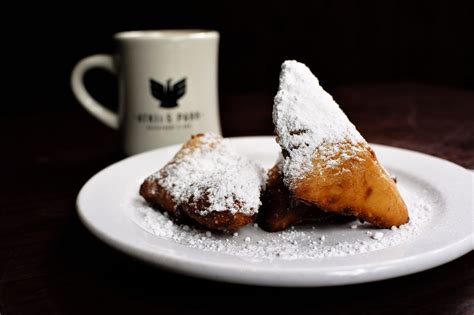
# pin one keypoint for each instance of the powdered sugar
(303, 242)
(377, 236)
(230, 181)
(308, 121)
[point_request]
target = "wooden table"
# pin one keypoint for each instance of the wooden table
(50, 264)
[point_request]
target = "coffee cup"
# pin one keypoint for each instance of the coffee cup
(168, 87)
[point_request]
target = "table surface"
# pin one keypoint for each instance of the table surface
(50, 264)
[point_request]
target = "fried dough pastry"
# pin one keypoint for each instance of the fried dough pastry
(209, 183)
(326, 161)
(280, 209)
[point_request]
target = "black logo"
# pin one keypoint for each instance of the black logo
(168, 95)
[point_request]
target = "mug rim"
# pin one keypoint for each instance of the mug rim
(167, 34)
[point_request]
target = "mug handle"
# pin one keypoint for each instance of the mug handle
(106, 62)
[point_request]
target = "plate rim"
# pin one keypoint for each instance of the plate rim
(220, 272)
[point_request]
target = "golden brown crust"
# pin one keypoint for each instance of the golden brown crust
(158, 196)
(155, 195)
(359, 186)
(280, 210)
(221, 221)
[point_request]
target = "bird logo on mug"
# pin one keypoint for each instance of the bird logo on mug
(168, 95)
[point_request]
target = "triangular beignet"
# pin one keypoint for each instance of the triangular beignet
(209, 182)
(326, 160)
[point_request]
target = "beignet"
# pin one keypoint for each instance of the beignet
(208, 182)
(326, 161)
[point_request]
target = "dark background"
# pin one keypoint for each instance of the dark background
(343, 42)
(404, 74)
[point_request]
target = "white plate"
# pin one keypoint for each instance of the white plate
(106, 205)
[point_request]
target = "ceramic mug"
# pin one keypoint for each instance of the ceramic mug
(167, 87)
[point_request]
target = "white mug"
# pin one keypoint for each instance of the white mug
(167, 87)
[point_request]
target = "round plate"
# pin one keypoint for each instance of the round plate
(104, 206)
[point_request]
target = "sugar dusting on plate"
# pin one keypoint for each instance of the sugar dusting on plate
(302, 242)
